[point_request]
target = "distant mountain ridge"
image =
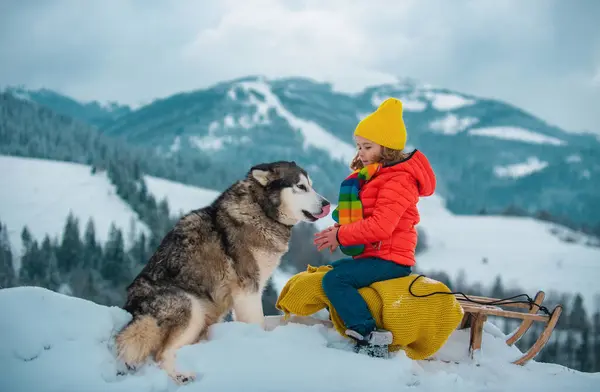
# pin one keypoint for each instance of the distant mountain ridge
(93, 113)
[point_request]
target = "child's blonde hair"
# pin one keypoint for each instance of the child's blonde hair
(388, 155)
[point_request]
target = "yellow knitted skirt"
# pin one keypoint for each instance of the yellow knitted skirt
(421, 326)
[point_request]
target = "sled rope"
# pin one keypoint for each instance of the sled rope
(503, 301)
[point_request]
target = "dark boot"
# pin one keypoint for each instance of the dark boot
(375, 344)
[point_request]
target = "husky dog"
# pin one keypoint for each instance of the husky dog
(215, 260)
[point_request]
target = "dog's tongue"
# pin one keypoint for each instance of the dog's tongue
(324, 212)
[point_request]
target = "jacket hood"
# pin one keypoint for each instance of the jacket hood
(418, 166)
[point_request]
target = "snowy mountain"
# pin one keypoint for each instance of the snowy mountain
(51, 342)
(489, 155)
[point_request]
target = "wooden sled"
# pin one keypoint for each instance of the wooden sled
(476, 315)
(474, 318)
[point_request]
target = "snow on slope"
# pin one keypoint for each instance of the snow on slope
(410, 103)
(451, 124)
(314, 135)
(446, 101)
(181, 198)
(532, 165)
(523, 251)
(40, 193)
(52, 342)
(517, 134)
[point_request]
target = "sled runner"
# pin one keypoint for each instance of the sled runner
(477, 309)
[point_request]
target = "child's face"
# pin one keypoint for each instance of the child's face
(368, 152)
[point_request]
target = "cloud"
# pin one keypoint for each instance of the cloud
(538, 54)
(266, 37)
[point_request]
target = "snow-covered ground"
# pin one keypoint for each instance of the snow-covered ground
(51, 342)
(40, 193)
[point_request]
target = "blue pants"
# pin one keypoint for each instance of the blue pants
(341, 286)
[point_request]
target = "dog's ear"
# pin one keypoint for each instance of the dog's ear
(261, 173)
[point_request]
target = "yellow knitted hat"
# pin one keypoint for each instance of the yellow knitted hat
(385, 125)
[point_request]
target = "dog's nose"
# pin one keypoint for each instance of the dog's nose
(325, 203)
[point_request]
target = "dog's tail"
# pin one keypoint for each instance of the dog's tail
(139, 339)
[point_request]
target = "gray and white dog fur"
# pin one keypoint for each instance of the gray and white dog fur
(214, 260)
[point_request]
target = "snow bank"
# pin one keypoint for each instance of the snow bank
(51, 342)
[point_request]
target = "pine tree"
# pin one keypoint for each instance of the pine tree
(578, 321)
(7, 272)
(549, 353)
(115, 267)
(27, 271)
(54, 280)
(26, 239)
(583, 353)
(596, 341)
(70, 252)
(33, 270)
(460, 283)
(82, 283)
(568, 354)
(92, 251)
(498, 288)
(577, 316)
(138, 254)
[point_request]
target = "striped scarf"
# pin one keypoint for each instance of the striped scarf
(350, 208)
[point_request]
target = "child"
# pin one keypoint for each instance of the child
(376, 217)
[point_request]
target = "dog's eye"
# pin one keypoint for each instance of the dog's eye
(302, 187)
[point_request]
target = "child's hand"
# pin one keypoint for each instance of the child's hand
(327, 239)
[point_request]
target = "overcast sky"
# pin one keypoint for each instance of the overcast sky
(542, 55)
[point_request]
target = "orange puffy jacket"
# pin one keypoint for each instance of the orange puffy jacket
(390, 212)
